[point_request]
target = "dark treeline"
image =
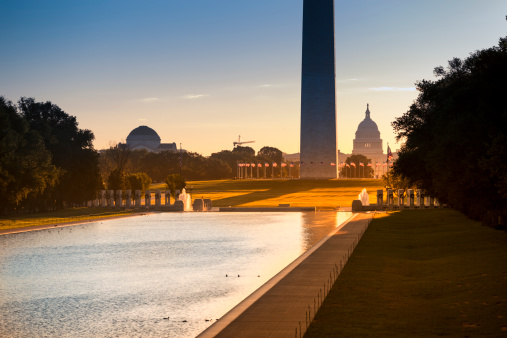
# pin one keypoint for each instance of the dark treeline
(455, 136)
(46, 161)
(118, 163)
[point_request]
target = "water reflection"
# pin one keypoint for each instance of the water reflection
(124, 277)
(316, 225)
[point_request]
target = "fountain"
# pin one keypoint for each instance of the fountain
(364, 198)
(186, 199)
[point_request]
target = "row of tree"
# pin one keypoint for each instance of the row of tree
(47, 162)
(119, 161)
(45, 159)
(455, 136)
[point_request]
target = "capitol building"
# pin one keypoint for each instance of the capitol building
(367, 142)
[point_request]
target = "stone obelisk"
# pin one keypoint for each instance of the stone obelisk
(318, 103)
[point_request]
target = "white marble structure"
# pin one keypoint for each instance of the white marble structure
(158, 198)
(110, 195)
(401, 198)
(167, 196)
(147, 198)
(380, 197)
(137, 199)
(128, 198)
(410, 197)
(119, 198)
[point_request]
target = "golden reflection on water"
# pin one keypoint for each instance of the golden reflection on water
(317, 225)
(123, 277)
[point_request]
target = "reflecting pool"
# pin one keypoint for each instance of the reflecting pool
(161, 275)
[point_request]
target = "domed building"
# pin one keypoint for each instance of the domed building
(369, 144)
(368, 141)
(144, 137)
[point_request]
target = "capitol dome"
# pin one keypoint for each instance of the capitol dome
(367, 141)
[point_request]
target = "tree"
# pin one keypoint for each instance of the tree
(396, 182)
(116, 157)
(175, 182)
(455, 135)
(355, 170)
(116, 180)
(138, 181)
(231, 158)
(71, 149)
(245, 152)
(26, 172)
(270, 154)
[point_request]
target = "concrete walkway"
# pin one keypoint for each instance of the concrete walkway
(286, 304)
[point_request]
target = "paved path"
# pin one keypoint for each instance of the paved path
(279, 306)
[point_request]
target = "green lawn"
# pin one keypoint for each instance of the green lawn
(420, 273)
(59, 217)
(323, 194)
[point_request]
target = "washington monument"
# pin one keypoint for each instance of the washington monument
(318, 103)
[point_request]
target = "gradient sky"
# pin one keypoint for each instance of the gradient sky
(202, 72)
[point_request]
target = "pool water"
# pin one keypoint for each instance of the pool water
(161, 275)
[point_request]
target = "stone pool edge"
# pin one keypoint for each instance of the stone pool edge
(236, 311)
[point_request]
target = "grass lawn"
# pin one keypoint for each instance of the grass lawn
(323, 194)
(58, 217)
(420, 273)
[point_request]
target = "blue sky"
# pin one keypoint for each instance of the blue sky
(202, 72)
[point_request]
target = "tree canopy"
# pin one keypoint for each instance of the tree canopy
(455, 135)
(26, 172)
(355, 169)
(71, 149)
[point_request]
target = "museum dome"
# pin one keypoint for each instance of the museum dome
(144, 133)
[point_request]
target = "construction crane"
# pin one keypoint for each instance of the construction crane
(239, 143)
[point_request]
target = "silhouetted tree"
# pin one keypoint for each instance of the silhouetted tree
(26, 172)
(175, 182)
(138, 181)
(455, 135)
(270, 154)
(71, 149)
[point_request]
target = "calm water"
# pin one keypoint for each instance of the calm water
(123, 277)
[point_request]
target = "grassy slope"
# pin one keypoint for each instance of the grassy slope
(299, 193)
(61, 216)
(424, 273)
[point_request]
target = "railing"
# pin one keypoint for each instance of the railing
(327, 285)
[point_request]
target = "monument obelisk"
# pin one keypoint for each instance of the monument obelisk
(318, 102)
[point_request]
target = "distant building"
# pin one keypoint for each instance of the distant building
(367, 142)
(144, 137)
(291, 157)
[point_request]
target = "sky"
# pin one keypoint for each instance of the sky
(203, 72)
